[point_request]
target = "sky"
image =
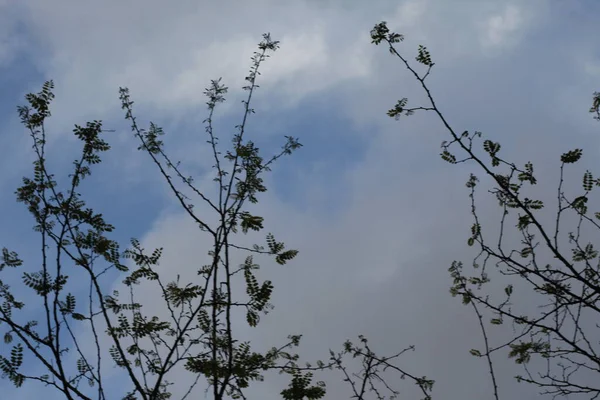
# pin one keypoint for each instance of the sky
(376, 214)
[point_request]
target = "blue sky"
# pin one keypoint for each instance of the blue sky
(376, 214)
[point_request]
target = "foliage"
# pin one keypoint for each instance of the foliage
(596, 105)
(559, 272)
(196, 335)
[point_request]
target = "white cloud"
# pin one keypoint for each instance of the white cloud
(501, 29)
(409, 13)
(167, 55)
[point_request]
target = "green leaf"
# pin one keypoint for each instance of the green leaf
(252, 222)
(274, 246)
(579, 204)
(381, 32)
(285, 256)
(524, 222)
(526, 252)
(424, 57)
(16, 357)
(448, 157)
(572, 156)
(588, 181)
(491, 147)
(585, 254)
(466, 298)
(533, 204)
(398, 109)
(475, 352)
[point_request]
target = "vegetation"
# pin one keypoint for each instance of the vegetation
(196, 334)
(559, 271)
(555, 341)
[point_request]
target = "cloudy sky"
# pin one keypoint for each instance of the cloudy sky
(376, 214)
